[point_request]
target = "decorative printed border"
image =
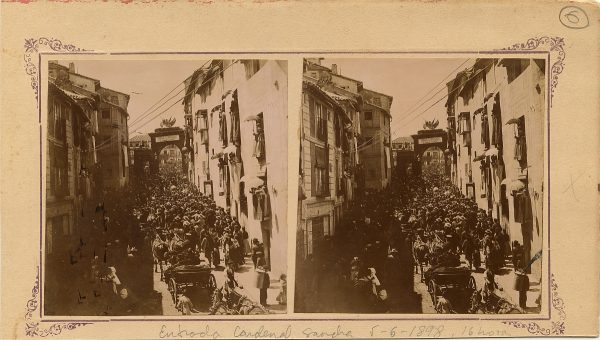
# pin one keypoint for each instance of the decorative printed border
(554, 45)
(32, 47)
(33, 328)
(556, 327)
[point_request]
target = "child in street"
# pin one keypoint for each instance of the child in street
(282, 297)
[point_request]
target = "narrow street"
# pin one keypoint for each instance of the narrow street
(376, 244)
(114, 267)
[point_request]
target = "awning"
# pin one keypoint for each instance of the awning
(516, 186)
(512, 121)
(217, 155)
(230, 149)
(251, 117)
(252, 181)
(479, 158)
(491, 152)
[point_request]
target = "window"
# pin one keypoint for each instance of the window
(464, 124)
(59, 185)
(522, 206)
(57, 121)
(318, 120)
(114, 100)
(259, 138)
(106, 114)
(319, 229)
(485, 130)
(243, 199)
(514, 68)
(252, 66)
(520, 142)
(260, 203)
(369, 115)
(320, 171)
(464, 128)
(339, 130)
(497, 123)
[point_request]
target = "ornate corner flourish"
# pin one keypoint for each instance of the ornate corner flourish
(33, 327)
(556, 327)
(555, 45)
(32, 47)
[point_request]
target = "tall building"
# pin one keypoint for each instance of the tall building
(496, 122)
(345, 149)
(239, 145)
(375, 152)
(111, 143)
(114, 135)
(402, 155)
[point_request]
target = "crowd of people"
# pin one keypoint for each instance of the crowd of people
(188, 228)
(371, 253)
(160, 221)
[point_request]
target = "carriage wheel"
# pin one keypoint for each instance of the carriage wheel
(212, 283)
(173, 290)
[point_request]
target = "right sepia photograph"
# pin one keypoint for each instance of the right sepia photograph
(421, 186)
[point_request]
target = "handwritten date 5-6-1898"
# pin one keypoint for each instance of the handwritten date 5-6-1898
(436, 331)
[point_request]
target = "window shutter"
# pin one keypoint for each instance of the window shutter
(313, 170)
(326, 179)
(311, 110)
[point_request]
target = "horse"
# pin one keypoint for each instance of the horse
(421, 256)
(159, 252)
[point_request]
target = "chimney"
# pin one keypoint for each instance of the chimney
(334, 69)
(72, 67)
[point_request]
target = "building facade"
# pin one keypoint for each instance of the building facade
(239, 129)
(74, 159)
(114, 135)
(402, 155)
(496, 121)
(111, 141)
(375, 151)
(344, 150)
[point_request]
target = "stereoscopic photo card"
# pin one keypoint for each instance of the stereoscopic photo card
(299, 169)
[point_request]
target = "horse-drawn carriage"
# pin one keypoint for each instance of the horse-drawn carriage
(455, 284)
(180, 277)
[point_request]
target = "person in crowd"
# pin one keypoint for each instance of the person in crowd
(257, 251)
(263, 282)
(521, 284)
(185, 305)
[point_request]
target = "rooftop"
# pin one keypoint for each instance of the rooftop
(403, 140)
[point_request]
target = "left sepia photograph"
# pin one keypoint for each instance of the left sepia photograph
(164, 187)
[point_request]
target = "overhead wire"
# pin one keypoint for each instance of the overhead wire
(410, 111)
(205, 80)
(148, 109)
(445, 96)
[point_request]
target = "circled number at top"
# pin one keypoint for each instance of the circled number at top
(573, 17)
